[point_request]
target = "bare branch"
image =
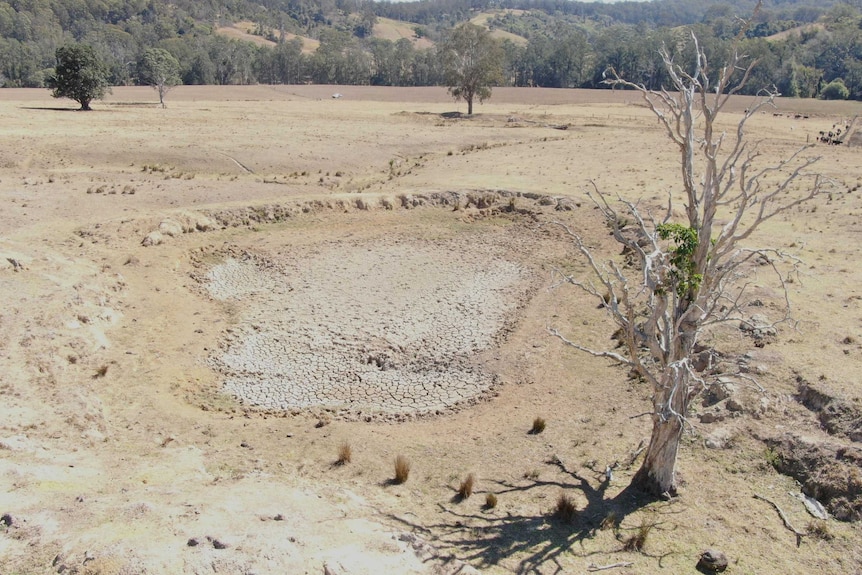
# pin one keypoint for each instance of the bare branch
(784, 519)
(682, 278)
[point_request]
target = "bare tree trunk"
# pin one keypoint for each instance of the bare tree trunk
(470, 106)
(657, 474)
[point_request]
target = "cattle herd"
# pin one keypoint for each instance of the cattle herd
(835, 136)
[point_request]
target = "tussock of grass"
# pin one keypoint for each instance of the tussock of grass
(490, 501)
(402, 469)
(565, 509)
(538, 426)
(637, 541)
(466, 488)
(609, 522)
(345, 454)
(820, 529)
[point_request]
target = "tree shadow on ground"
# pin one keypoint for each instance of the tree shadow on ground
(53, 109)
(484, 539)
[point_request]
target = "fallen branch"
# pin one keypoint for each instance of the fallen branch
(593, 567)
(799, 534)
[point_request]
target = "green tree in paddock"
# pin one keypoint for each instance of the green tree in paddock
(79, 75)
(159, 69)
(472, 64)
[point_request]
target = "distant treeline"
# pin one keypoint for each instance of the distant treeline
(802, 47)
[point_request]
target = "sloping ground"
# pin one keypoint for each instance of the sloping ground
(482, 20)
(309, 45)
(243, 31)
(784, 34)
(394, 30)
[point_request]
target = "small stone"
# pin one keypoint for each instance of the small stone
(711, 417)
(712, 561)
(734, 405)
(279, 517)
(193, 542)
(218, 544)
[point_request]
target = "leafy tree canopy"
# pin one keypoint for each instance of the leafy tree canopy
(79, 75)
(473, 62)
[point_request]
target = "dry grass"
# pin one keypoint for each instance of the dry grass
(466, 488)
(345, 454)
(565, 509)
(329, 136)
(638, 539)
(538, 426)
(820, 529)
(490, 501)
(402, 469)
(101, 372)
(609, 522)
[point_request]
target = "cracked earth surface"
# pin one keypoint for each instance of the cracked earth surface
(370, 327)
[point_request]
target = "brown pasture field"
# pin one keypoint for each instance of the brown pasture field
(123, 453)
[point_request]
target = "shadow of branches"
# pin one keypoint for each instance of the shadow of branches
(537, 540)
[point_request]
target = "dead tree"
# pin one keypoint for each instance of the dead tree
(686, 277)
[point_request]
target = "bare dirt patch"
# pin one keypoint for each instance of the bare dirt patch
(389, 325)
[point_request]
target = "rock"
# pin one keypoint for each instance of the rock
(204, 224)
(734, 404)
(814, 507)
(711, 417)
(712, 561)
(153, 238)
(719, 391)
(718, 439)
(170, 228)
(193, 542)
(7, 520)
(217, 543)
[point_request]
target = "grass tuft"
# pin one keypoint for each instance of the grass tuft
(402, 469)
(637, 541)
(820, 529)
(538, 426)
(345, 454)
(565, 509)
(609, 522)
(466, 488)
(490, 501)
(101, 372)
(531, 474)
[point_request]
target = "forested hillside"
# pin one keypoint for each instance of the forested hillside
(803, 45)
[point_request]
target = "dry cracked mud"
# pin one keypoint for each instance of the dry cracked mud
(373, 327)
